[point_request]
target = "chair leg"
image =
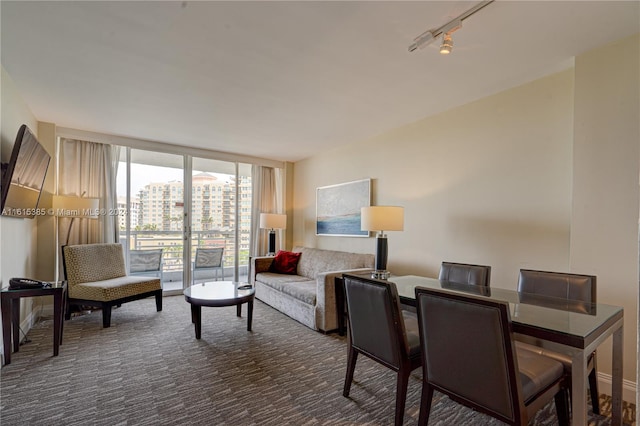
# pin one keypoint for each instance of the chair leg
(159, 300)
(106, 316)
(425, 404)
(593, 391)
(401, 393)
(351, 366)
(562, 407)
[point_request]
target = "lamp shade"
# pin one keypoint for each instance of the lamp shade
(66, 206)
(382, 218)
(273, 221)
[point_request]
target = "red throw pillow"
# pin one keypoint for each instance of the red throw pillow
(285, 262)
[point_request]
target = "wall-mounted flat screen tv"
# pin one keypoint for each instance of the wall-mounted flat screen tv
(23, 176)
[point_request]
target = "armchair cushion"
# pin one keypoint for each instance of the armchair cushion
(114, 288)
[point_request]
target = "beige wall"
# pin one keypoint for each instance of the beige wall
(492, 182)
(18, 237)
(488, 182)
(604, 220)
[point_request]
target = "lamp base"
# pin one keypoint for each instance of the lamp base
(380, 275)
(272, 243)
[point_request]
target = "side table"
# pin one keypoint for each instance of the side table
(10, 302)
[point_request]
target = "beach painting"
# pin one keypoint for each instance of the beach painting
(338, 208)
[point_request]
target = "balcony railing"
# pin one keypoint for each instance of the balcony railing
(172, 242)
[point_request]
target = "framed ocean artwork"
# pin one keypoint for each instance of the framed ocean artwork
(338, 208)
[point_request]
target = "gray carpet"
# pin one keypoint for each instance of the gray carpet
(148, 369)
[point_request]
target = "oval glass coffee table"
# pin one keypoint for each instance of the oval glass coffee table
(216, 294)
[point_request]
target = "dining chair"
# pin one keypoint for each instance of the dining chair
(208, 259)
(465, 273)
(468, 354)
(380, 330)
(560, 285)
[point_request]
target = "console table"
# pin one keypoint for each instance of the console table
(10, 300)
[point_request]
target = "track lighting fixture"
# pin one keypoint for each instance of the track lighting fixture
(445, 31)
(447, 44)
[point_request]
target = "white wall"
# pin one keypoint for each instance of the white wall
(604, 220)
(18, 237)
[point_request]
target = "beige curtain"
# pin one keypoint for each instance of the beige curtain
(88, 169)
(267, 198)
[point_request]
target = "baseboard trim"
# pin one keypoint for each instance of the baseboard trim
(629, 388)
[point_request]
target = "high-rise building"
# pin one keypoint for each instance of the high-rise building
(213, 206)
(133, 210)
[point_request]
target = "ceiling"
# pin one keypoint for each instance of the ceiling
(282, 80)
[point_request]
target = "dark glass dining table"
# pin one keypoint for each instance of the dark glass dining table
(566, 326)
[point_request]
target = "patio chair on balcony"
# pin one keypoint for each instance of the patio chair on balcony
(146, 262)
(208, 259)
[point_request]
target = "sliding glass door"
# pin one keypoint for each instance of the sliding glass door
(183, 207)
(151, 196)
(220, 220)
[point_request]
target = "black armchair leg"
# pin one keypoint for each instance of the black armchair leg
(159, 300)
(106, 316)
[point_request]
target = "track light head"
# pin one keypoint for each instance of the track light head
(447, 44)
(445, 30)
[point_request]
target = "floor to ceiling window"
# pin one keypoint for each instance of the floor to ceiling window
(153, 190)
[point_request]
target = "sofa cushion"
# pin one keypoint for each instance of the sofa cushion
(295, 286)
(314, 261)
(285, 262)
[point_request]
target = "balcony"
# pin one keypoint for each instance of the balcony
(173, 263)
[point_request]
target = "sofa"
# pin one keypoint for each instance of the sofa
(308, 294)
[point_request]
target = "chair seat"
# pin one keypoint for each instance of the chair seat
(114, 288)
(537, 372)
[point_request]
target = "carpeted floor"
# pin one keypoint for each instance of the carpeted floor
(148, 369)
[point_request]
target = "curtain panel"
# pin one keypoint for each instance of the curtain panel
(267, 198)
(88, 169)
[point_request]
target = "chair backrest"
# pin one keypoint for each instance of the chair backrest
(145, 261)
(464, 273)
(208, 257)
(468, 351)
(93, 262)
(376, 327)
(558, 284)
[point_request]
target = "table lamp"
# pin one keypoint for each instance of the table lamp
(380, 219)
(272, 222)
